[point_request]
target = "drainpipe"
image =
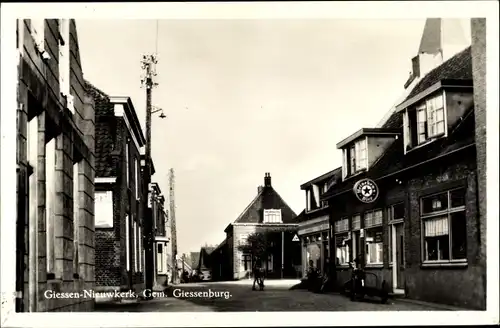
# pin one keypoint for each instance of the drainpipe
(282, 253)
(394, 260)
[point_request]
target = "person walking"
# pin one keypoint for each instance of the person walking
(256, 275)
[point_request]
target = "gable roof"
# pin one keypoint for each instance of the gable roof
(327, 177)
(267, 198)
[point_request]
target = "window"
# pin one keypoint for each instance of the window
(246, 261)
(308, 199)
(342, 225)
(76, 217)
(50, 184)
(103, 211)
(444, 226)
(342, 249)
(136, 174)
(427, 120)
(127, 170)
(272, 216)
(134, 231)
(64, 63)
(374, 247)
(270, 263)
(396, 212)
(127, 241)
(243, 239)
(356, 222)
(159, 258)
(140, 248)
(373, 238)
(373, 218)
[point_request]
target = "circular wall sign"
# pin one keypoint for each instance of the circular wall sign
(366, 190)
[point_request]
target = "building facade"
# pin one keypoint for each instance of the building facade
(407, 205)
(119, 201)
(314, 223)
(268, 214)
(55, 169)
(160, 219)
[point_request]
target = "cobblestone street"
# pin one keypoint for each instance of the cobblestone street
(277, 296)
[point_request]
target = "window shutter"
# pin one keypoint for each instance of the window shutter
(406, 131)
(344, 163)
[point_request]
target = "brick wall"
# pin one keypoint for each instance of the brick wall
(39, 99)
(460, 286)
(478, 52)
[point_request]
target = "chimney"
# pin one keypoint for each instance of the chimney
(442, 38)
(259, 189)
(267, 180)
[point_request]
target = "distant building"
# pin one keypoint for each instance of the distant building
(314, 222)
(55, 168)
(156, 201)
(119, 202)
(267, 213)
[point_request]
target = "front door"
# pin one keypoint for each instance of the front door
(400, 255)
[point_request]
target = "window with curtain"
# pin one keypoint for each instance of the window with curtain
(373, 237)
(342, 249)
(445, 226)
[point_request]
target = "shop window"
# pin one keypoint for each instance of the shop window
(313, 255)
(373, 218)
(374, 249)
(445, 227)
(342, 249)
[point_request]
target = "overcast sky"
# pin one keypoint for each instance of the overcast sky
(245, 97)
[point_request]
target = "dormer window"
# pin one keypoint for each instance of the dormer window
(426, 121)
(356, 157)
(313, 197)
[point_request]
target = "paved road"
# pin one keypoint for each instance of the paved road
(238, 296)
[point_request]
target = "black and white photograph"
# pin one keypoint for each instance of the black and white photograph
(249, 163)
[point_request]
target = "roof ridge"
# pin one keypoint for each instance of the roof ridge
(458, 54)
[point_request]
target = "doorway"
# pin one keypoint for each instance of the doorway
(399, 253)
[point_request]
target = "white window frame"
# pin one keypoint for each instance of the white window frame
(342, 252)
(76, 216)
(430, 115)
(433, 109)
(127, 240)
(361, 154)
(243, 239)
(272, 216)
(37, 28)
(445, 213)
(64, 63)
(141, 249)
(97, 209)
(127, 169)
(159, 257)
(136, 171)
(373, 220)
(136, 261)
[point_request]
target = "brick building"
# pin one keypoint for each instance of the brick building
(267, 213)
(55, 169)
(119, 194)
(160, 218)
(408, 201)
(314, 222)
(478, 52)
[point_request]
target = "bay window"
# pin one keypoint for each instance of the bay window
(444, 226)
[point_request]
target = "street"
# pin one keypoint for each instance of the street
(277, 296)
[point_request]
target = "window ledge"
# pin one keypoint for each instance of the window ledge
(427, 142)
(451, 264)
(374, 266)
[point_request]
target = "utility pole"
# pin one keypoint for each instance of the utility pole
(148, 65)
(173, 226)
